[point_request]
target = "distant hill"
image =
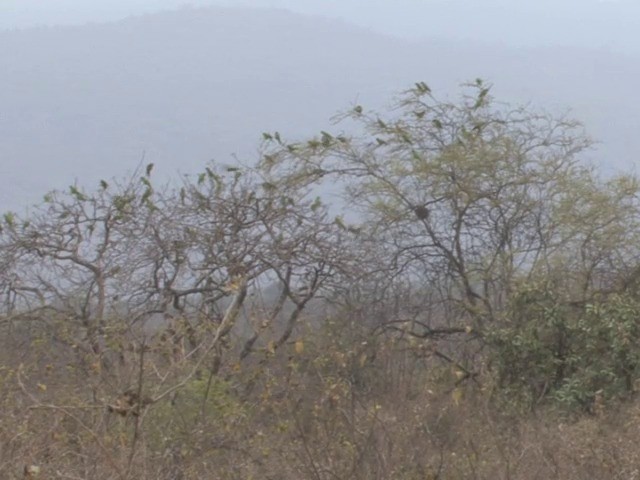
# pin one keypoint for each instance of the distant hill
(195, 84)
(585, 23)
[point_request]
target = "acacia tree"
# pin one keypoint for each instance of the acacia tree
(69, 255)
(145, 287)
(467, 200)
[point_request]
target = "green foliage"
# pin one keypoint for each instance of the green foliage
(201, 402)
(549, 348)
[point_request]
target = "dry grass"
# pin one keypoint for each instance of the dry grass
(328, 413)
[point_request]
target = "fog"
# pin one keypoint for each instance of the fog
(181, 85)
(609, 24)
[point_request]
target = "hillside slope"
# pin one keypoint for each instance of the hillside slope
(187, 86)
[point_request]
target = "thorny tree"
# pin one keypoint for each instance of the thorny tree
(144, 290)
(466, 201)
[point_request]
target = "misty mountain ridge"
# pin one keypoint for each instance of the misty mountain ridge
(584, 23)
(196, 84)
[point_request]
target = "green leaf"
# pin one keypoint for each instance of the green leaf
(146, 196)
(77, 193)
(317, 203)
(9, 219)
(481, 100)
(422, 88)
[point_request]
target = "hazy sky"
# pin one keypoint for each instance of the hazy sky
(188, 87)
(593, 23)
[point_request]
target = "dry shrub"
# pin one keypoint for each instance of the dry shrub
(326, 406)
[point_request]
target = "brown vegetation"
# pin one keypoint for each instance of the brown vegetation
(473, 313)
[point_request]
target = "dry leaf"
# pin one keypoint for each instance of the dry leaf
(459, 374)
(457, 395)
